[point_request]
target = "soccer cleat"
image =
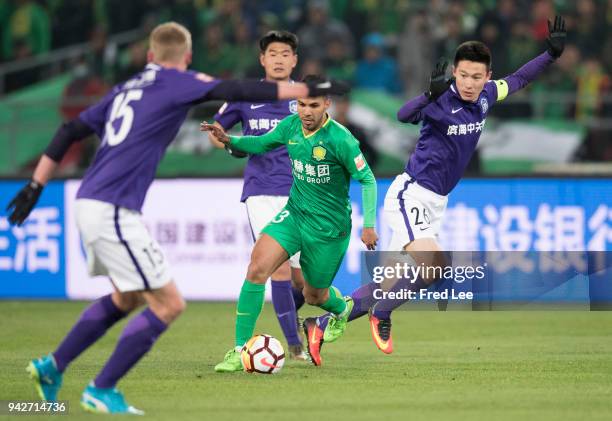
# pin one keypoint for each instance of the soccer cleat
(46, 376)
(337, 324)
(296, 353)
(381, 333)
(231, 362)
(314, 340)
(106, 401)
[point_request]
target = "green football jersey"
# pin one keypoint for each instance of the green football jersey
(322, 164)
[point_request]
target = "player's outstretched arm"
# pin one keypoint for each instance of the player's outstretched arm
(532, 69)
(438, 84)
(24, 201)
(249, 144)
(247, 90)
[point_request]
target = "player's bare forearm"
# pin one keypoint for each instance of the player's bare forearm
(44, 170)
(213, 139)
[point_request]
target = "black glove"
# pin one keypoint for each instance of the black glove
(556, 37)
(438, 84)
(235, 152)
(329, 87)
(23, 202)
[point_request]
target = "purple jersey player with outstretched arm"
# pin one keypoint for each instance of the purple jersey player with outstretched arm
(453, 113)
(267, 177)
(136, 122)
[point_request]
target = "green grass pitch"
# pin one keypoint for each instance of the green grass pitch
(455, 366)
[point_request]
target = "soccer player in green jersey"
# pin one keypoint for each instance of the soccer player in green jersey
(316, 219)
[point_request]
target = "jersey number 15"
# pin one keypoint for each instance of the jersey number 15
(121, 109)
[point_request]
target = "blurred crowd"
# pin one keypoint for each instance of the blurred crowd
(385, 45)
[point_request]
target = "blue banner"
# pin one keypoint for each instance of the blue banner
(541, 215)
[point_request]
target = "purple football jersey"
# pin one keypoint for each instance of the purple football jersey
(452, 127)
(268, 173)
(448, 138)
(137, 121)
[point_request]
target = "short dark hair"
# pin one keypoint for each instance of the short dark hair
(473, 51)
(284, 37)
(314, 79)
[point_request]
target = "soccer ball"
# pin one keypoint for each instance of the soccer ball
(262, 354)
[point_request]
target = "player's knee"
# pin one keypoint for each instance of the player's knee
(178, 306)
(128, 301)
(171, 309)
(297, 279)
(257, 272)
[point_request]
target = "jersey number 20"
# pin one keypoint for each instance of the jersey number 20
(121, 109)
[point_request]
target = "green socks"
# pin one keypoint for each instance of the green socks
(335, 303)
(250, 303)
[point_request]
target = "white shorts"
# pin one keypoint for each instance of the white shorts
(118, 245)
(261, 210)
(412, 212)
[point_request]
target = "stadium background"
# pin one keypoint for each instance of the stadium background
(540, 180)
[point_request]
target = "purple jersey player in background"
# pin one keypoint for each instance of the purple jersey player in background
(136, 122)
(453, 113)
(267, 177)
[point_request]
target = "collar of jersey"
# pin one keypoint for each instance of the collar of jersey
(152, 66)
(306, 136)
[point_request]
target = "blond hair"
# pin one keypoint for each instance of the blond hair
(169, 42)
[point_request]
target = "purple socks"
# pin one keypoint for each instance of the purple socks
(384, 308)
(136, 340)
(363, 298)
(93, 324)
(298, 298)
(282, 299)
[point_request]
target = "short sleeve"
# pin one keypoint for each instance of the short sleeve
(95, 116)
(229, 115)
